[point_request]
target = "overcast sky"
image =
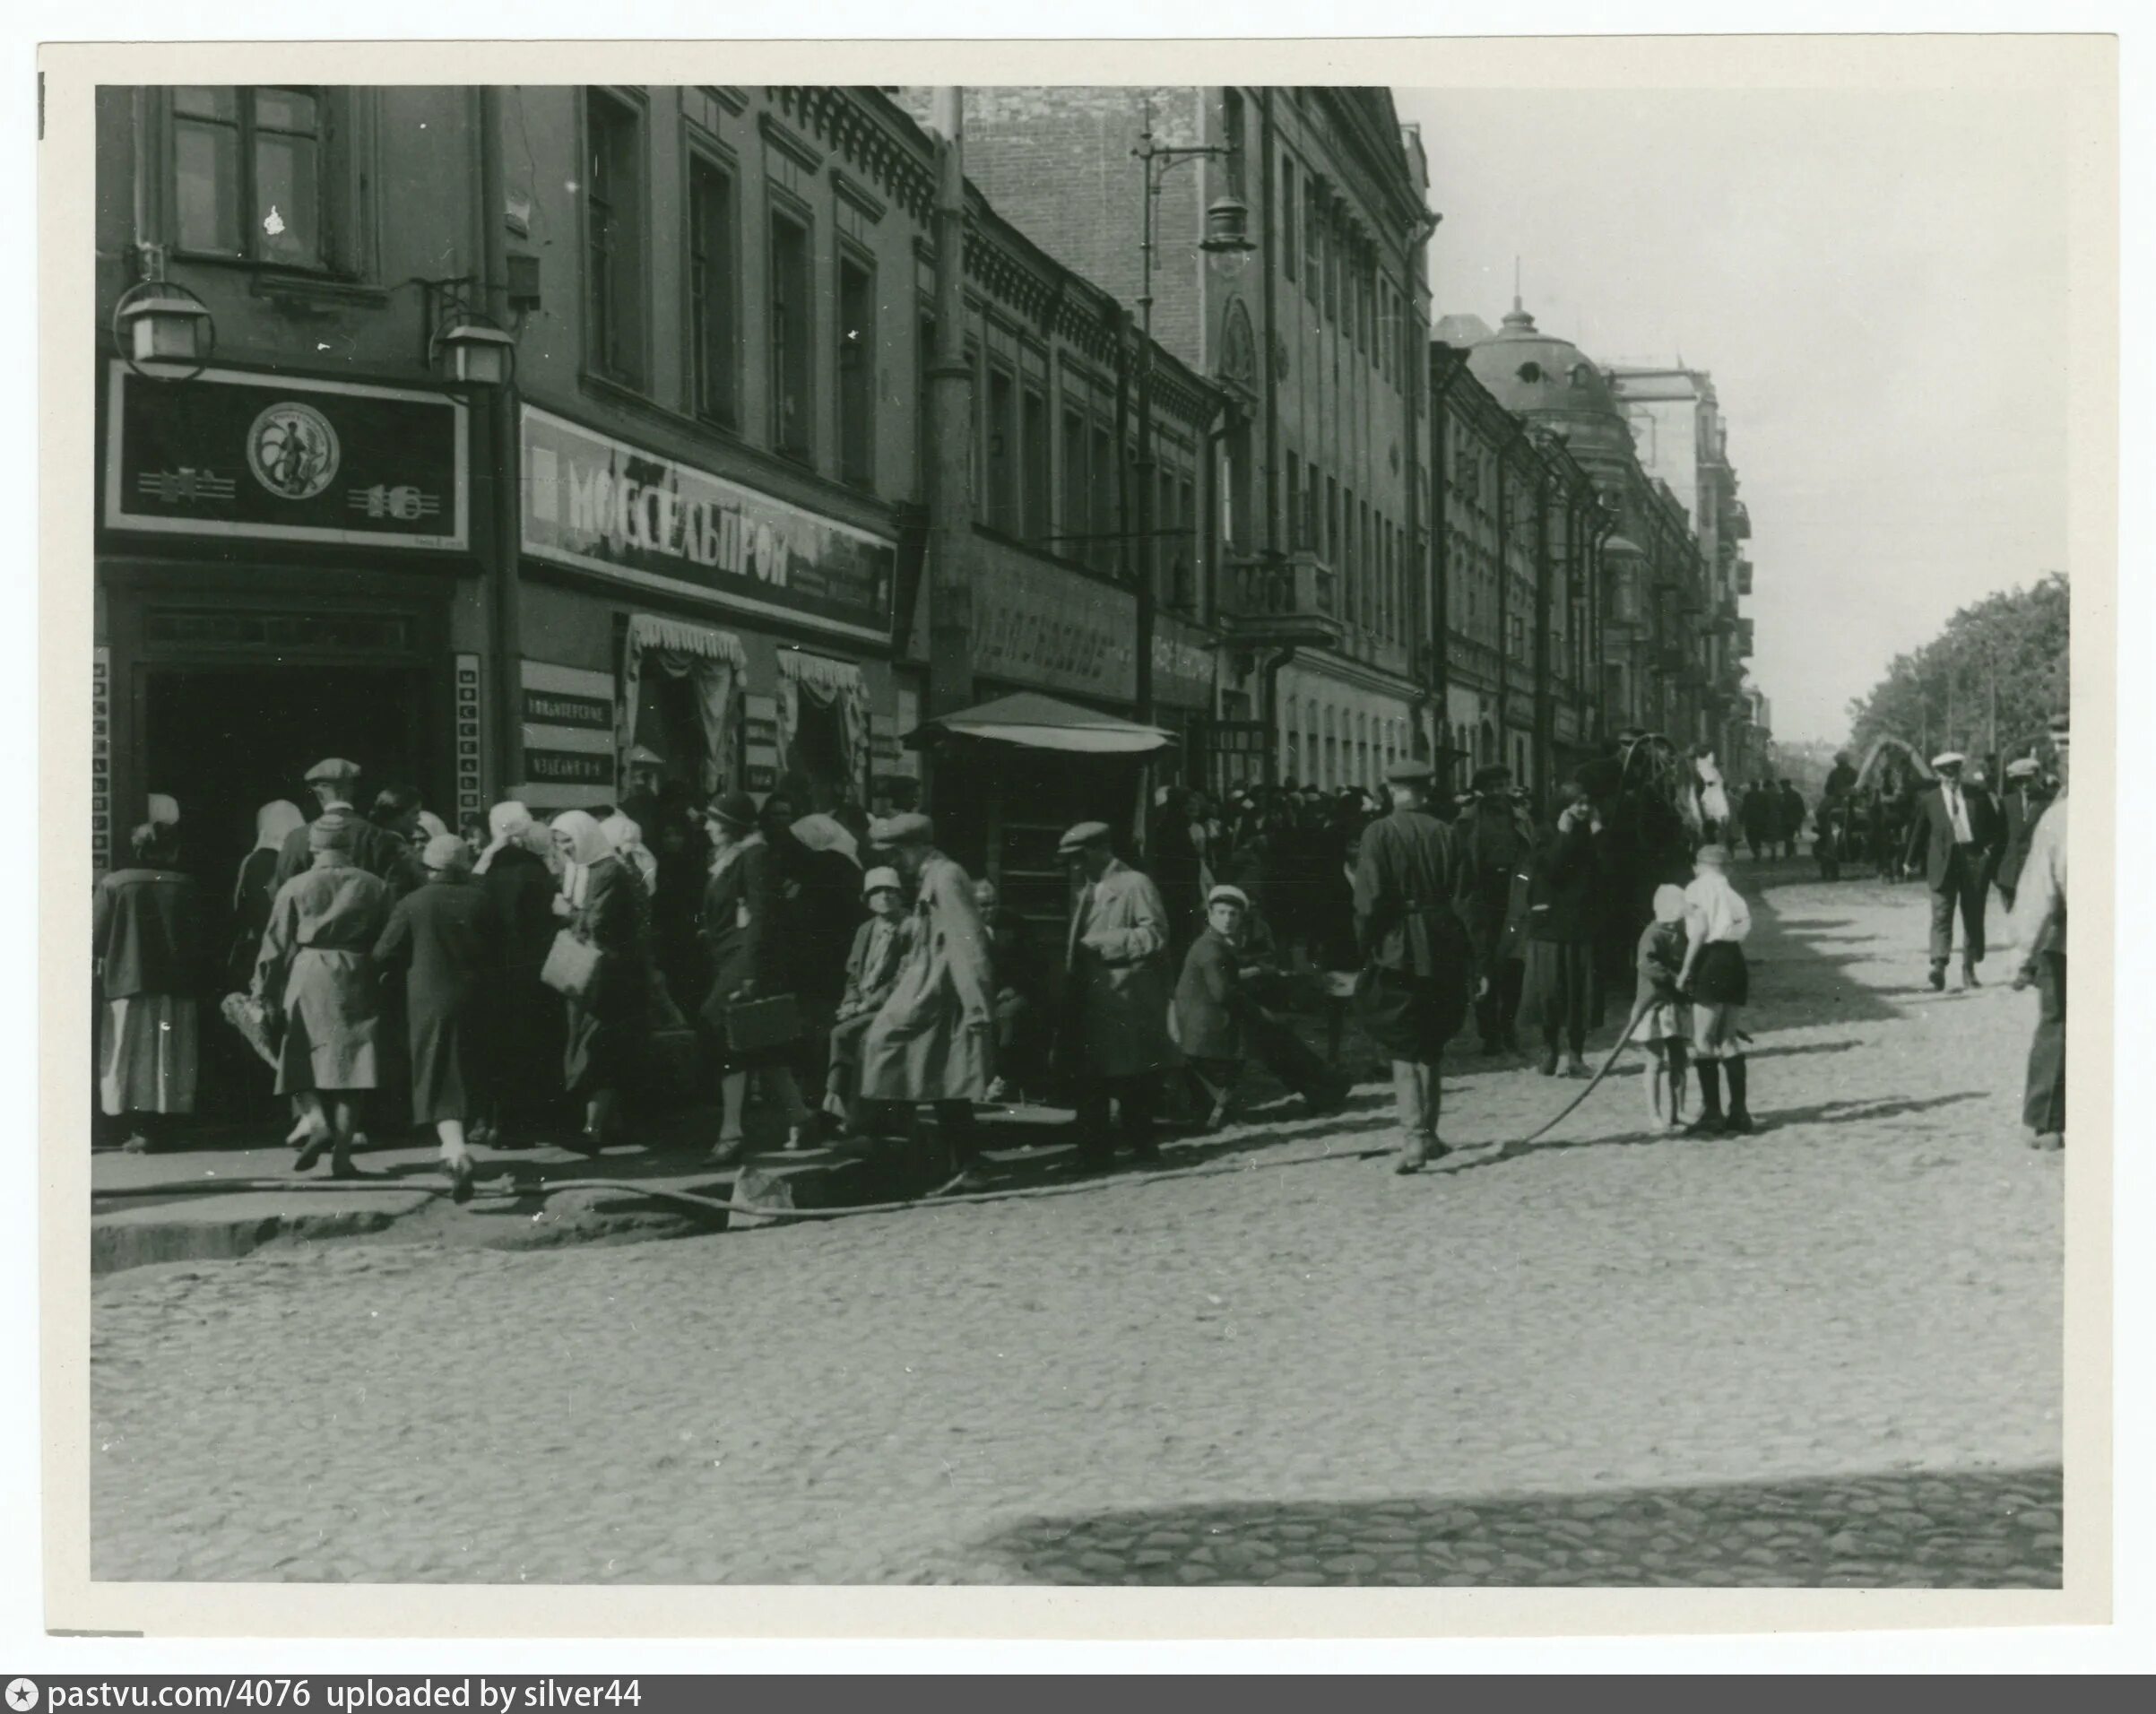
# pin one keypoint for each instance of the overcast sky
(1876, 282)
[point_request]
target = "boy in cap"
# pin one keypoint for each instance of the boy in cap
(1220, 1016)
(1717, 982)
(1955, 831)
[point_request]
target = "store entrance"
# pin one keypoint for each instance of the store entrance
(224, 740)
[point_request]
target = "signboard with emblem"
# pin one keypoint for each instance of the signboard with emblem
(593, 501)
(230, 452)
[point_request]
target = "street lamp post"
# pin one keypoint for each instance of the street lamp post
(1226, 234)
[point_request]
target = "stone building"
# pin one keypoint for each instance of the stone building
(1317, 344)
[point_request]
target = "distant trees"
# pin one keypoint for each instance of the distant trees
(1986, 685)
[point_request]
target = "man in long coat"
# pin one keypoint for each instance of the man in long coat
(1410, 880)
(1495, 845)
(1957, 828)
(934, 1040)
(1116, 996)
(2038, 924)
(2024, 804)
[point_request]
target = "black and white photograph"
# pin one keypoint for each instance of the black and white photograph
(1086, 834)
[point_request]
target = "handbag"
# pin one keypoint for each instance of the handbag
(572, 965)
(755, 1026)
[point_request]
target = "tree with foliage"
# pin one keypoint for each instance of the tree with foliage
(1988, 685)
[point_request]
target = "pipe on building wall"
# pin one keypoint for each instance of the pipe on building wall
(950, 428)
(507, 479)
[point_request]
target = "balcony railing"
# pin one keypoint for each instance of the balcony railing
(1296, 598)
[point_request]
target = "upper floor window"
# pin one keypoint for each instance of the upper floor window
(792, 282)
(1290, 248)
(250, 173)
(856, 359)
(615, 238)
(1230, 135)
(714, 341)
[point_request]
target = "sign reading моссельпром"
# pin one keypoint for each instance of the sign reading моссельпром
(596, 502)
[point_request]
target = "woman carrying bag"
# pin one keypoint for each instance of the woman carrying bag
(602, 965)
(751, 1011)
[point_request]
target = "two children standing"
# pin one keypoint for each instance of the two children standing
(1693, 986)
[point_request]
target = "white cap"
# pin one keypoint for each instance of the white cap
(1948, 758)
(877, 879)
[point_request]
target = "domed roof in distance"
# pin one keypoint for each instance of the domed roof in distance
(1531, 371)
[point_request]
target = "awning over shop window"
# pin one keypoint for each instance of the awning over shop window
(1036, 722)
(713, 660)
(826, 683)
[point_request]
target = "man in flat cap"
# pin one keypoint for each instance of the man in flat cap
(1957, 828)
(933, 1041)
(2026, 799)
(1115, 995)
(1495, 843)
(643, 770)
(335, 783)
(2038, 925)
(1410, 881)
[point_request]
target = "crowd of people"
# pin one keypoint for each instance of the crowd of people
(519, 981)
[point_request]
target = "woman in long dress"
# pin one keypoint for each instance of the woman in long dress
(147, 934)
(316, 979)
(446, 940)
(516, 874)
(606, 907)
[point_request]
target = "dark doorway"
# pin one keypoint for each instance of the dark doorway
(816, 770)
(224, 740)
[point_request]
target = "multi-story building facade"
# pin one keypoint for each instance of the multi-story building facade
(1316, 343)
(1646, 612)
(710, 541)
(1683, 440)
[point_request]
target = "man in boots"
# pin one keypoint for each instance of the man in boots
(1410, 880)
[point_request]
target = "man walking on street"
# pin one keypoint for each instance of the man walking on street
(2026, 801)
(1116, 996)
(1410, 881)
(2038, 924)
(1495, 844)
(1955, 831)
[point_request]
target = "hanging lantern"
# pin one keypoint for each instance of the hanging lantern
(161, 322)
(476, 352)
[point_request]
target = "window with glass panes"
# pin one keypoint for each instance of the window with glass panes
(792, 280)
(614, 235)
(856, 363)
(713, 338)
(249, 173)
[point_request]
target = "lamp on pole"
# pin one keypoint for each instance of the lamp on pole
(1226, 236)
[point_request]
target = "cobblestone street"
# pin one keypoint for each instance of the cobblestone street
(1826, 1353)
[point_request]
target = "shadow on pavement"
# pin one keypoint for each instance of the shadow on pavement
(1930, 1529)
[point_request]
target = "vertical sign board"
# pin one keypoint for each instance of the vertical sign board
(100, 761)
(471, 798)
(568, 735)
(759, 717)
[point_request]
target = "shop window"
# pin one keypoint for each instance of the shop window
(793, 279)
(614, 234)
(251, 173)
(714, 343)
(856, 361)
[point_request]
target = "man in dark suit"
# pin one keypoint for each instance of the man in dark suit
(335, 783)
(1410, 880)
(1956, 828)
(2025, 802)
(1495, 844)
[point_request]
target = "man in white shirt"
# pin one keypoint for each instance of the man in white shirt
(2038, 924)
(1956, 829)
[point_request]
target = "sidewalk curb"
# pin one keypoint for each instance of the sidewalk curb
(226, 1228)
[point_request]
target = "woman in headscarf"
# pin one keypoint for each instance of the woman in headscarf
(514, 874)
(315, 978)
(147, 936)
(609, 909)
(751, 960)
(628, 839)
(255, 889)
(446, 940)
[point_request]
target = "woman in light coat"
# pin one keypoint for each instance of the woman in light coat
(315, 978)
(934, 1040)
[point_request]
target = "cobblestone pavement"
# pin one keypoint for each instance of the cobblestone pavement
(1829, 1353)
